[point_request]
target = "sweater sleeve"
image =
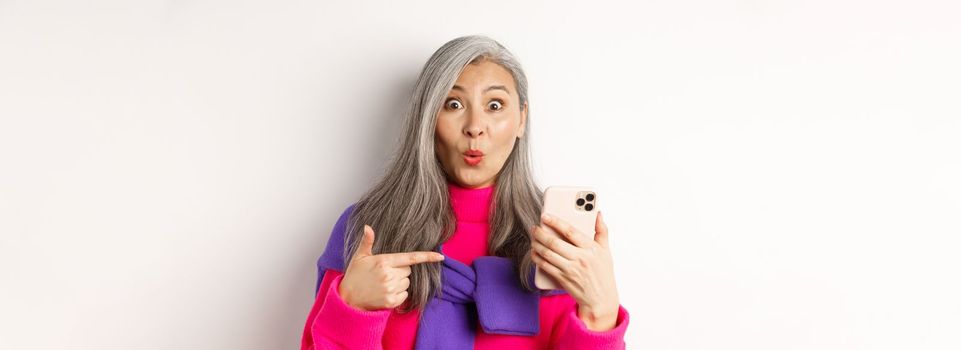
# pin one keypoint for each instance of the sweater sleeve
(570, 332)
(333, 324)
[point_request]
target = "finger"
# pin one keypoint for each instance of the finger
(566, 230)
(400, 299)
(549, 268)
(411, 258)
(600, 227)
(555, 243)
(366, 243)
(552, 257)
(403, 271)
(403, 284)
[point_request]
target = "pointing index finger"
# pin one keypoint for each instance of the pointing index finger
(412, 258)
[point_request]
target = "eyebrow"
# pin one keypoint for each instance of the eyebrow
(489, 88)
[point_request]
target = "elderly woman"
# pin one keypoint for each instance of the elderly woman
(440, 253)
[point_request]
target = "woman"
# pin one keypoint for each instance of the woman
(458, 232)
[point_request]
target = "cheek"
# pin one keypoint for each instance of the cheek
(505, 135)
(445, 135)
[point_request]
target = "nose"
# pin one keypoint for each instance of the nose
(473, 131)
(475, 124)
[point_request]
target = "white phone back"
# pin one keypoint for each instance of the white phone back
(561, 202)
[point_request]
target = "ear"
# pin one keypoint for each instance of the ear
(520, 132)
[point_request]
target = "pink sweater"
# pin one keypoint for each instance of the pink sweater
(332, 324)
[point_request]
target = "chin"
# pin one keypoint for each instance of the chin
(471, 181)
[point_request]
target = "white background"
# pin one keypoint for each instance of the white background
(775, 174)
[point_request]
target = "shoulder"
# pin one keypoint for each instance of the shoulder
(333, 256)
(345, 216)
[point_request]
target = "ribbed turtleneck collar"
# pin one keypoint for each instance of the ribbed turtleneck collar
(470, 204)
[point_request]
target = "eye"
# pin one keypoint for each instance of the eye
(499, 105)
(453, 104)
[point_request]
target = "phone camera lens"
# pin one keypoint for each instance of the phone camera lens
(590, 197)
(580, 202)
(589, 207)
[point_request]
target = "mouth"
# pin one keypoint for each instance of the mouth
(473, 157)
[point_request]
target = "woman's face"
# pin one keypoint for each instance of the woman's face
(482, 113)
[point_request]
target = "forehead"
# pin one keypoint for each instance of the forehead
(483, 74)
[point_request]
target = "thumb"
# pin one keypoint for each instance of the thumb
(366, 243)
(600, 228)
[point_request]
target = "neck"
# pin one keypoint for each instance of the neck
(470, 204)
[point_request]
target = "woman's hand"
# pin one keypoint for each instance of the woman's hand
(583, 267)
(374, 282)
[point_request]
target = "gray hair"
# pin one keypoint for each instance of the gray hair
(409, 206)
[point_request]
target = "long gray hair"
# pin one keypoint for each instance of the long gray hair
(409, 207)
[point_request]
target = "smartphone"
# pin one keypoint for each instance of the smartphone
(577, 205)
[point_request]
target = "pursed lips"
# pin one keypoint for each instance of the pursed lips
(473, 157)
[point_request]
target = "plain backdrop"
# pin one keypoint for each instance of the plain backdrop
(775, 174)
